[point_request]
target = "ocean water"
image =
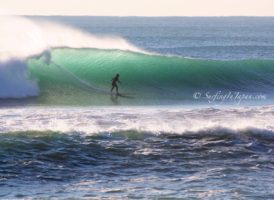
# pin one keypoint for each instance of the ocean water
(195, 120)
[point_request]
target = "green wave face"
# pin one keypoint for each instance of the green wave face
(78, 77)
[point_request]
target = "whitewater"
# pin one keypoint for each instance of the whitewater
(40, 37)
(50, 57)
(197, 122)
(153, 120)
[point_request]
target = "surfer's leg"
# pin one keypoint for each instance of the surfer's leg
(112, 88)
(117, 89)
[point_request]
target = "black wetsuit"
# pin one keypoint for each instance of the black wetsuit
(114, 83)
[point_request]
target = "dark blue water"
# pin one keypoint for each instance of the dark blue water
(135, 165)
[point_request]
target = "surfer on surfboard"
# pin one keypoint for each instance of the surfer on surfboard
(114, 83)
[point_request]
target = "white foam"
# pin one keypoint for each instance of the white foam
(21, 38)
(154, 120)
(14, 81)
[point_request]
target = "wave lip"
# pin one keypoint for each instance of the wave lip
(37, 36)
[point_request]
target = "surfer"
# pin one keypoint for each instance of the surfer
(114, 83)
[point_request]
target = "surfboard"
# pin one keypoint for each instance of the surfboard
(125, 95)
(91, 86)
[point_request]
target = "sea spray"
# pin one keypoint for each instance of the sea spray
(38, 37)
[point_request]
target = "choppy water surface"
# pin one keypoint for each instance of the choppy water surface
(125, 158)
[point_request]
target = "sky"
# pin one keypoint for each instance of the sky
(138, 7)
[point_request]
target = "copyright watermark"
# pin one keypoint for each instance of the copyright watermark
(227, 96)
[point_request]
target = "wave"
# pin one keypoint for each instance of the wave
(47, 142)
(61, 65)
(14, 80)
(87, 73)
(154, 120)
(220, 133)
(67, 75)
(36, 37)
(57, 157)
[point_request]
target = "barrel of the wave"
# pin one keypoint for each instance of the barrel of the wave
(155, 78)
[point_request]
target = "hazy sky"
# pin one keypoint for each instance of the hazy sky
(139, 7)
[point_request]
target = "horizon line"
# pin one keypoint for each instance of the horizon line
(153, 16)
